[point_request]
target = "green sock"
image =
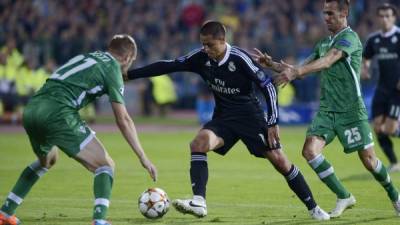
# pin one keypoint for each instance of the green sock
(381, 175)
(326, 173)
(103, 181)
(27, 179)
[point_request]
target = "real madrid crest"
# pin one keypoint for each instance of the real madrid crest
(394, 39)
(231, 66)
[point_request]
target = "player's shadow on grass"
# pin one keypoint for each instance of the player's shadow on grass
(86, 220)
(217, 220)
(337, 221)
(358, 177)
(181, 221)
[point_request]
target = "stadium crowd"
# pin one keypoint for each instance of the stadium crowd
(38, 35)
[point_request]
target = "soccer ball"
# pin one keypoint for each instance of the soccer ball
(153, 203)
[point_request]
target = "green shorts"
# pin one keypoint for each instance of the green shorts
(352, 129)
(49, 124)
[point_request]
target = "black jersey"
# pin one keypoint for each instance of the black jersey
(386, 48)
(232, 81)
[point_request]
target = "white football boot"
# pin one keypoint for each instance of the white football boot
(341, 205)
(392, 168)
(196, 206)
(319, 214)
(396, 206)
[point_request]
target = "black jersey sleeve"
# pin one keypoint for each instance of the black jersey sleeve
(254, 72)
(268, 89)
(368, 52)
(184, 63)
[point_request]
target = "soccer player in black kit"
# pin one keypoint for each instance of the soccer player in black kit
(232, 76)
(385, 46)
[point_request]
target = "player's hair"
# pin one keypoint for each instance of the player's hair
(343, 4)
(122, 45)
(386, 6)
(214, 28)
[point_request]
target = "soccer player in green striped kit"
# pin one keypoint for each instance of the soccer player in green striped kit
(51, 119)
(342, 112)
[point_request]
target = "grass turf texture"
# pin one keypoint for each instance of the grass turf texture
(241, 189)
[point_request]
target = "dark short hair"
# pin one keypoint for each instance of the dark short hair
(386, 6)
(122, 45)
(214, 28)
(343, 4)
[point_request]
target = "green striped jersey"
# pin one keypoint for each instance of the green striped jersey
(83, 79)
(340, 83)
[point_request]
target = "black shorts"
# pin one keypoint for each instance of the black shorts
(387, 104)
(252, 131)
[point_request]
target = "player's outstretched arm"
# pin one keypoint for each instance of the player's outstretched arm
(128, 129)
(158, 68)
(266, 61)
(292, 72)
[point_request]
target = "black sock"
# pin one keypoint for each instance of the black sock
(199, 173)
(297, 183)
(387, 147)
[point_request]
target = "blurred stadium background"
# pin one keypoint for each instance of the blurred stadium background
(36, 36)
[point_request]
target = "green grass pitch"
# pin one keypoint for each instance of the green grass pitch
(241, 189)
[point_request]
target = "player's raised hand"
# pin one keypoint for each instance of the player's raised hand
(150, 168)
(287, 75)
(273, 136)
(263, 59)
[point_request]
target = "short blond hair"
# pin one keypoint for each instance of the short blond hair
(122, 45)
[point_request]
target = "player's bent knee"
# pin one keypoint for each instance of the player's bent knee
(106, 162)
(198, 146)
(389, 130)
(368, 159)
(312, 147)
(308, 154)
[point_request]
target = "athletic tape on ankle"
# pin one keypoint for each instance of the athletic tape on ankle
(104, 169)
(38, 169)
(102, 201)
(15, 198)
(315, 162)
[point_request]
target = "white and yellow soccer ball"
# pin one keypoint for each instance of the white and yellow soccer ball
(154, 203)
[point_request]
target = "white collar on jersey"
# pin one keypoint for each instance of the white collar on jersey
(226, 56)
(390, 32)
(339, 32)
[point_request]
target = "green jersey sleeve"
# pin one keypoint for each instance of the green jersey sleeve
(347, 42)
(115, 85)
